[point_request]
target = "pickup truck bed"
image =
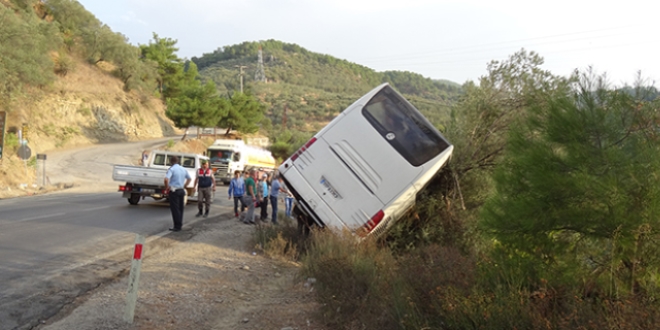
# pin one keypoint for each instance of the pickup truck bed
(139, 175)
(149, 181)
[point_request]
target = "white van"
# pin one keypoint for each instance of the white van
(364, 169)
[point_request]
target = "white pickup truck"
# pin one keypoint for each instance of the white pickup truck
(148, 181)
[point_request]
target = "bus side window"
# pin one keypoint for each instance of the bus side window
(237, 156)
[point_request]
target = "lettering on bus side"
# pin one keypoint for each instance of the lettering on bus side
(329, 188)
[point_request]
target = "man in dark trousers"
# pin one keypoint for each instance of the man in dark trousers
(205, 183)
(176, 179)
(237, 189)
(250, 196)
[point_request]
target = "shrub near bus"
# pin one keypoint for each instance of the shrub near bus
(364, 169)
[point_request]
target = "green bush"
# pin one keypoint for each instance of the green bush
(11, 141)
(85, 111)
(65, 134)
(282, 241)
(25, 42)
(356, 283)
(49, 129)
(64, 64)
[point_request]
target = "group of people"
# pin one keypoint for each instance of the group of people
(256, 189)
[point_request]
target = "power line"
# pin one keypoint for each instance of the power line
(481, 59)
(468, 47)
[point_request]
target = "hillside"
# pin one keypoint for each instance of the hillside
(61, 95)
(302, 86)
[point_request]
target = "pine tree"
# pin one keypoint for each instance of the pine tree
(579, 187)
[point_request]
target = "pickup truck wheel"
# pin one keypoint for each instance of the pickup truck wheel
(134, 199)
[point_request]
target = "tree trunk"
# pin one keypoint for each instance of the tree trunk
(185, 134)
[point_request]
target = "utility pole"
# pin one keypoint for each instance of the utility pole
(240, 68)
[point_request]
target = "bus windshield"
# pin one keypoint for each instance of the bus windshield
(219, 155)
(404, 127)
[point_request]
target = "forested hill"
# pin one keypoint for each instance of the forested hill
(317, 86)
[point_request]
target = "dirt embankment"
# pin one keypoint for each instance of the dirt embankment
(87, 106)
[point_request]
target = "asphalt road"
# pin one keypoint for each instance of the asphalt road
(58, 246)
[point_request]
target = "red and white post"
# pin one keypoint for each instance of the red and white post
(134, 278)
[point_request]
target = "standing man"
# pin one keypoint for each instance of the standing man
(205, 183)
(176, 179)
(237, 189)
(275, 188)
(288, 200)
(262, 193)
(145, 158)
(250, 195)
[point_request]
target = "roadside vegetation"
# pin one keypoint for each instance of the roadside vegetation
(545, 218)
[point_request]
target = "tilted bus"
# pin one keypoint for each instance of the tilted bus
(364, 169)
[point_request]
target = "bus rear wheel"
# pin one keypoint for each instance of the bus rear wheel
(304, 222)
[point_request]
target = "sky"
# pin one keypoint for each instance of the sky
(439, 39)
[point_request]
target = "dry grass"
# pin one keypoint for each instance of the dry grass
(92, 80)
(197, 146)
(363, 286)
(17, 177)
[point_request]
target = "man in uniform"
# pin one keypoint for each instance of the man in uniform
(176, 179)
(205, 183)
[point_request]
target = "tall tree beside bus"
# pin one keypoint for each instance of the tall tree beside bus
(577, 190)
(196, 104)
(243, 112)
(170, 68)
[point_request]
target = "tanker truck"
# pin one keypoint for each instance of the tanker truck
(228, 156)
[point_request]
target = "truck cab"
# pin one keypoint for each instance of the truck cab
(227, 156)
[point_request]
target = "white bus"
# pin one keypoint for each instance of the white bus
(365, 168)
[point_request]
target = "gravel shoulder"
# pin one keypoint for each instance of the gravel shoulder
(208, 277)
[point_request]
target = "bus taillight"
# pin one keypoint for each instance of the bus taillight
(371, 224)
(303, 149)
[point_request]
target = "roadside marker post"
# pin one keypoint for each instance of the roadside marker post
(134, 278)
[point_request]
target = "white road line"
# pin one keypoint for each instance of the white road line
(95, 208)
(41, 217)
